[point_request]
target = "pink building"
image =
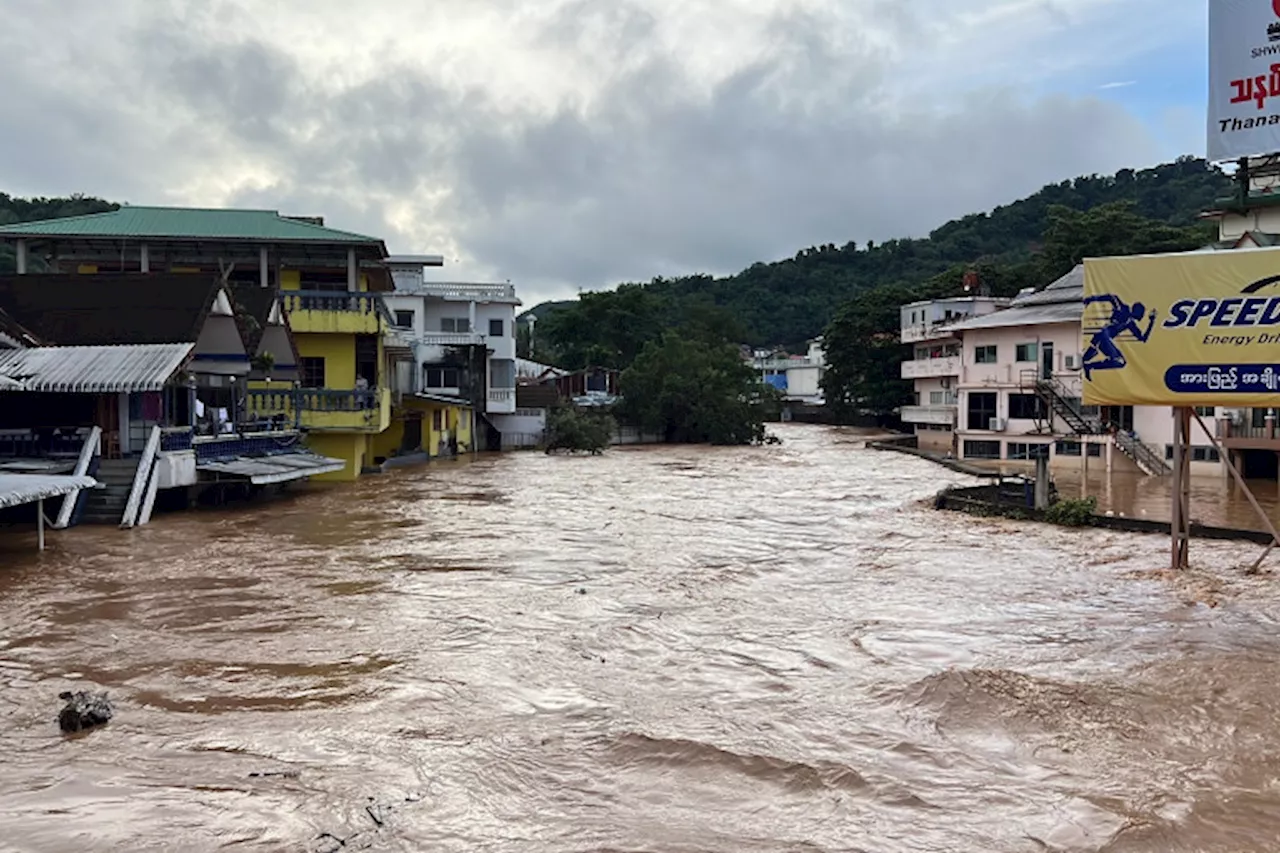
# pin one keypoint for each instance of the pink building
(1003, 385)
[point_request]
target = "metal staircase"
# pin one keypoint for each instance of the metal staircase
(1055, 398)
(1143, 456)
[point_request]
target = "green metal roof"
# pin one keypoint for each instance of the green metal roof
(186, 223)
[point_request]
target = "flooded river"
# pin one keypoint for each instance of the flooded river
(659, 649)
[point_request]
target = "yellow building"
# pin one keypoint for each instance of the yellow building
(328, 281)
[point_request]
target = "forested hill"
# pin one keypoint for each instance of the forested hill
(789, 301)
(30, 209)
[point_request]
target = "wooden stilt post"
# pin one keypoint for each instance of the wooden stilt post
(40, 524)
(1180, 516)
(1248, 493)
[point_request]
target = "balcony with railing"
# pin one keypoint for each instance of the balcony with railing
(455, 291)
(323, 409)
(250, 439)
(502, 401)
(1249, 434)
(937, 415)
(917, 332)
(931, 368)
(452, 339)
(336, 312)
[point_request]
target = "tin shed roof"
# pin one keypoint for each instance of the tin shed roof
(189, 223)
(93, 370)
(18, 489)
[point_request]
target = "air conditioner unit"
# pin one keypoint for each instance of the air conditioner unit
(996, 424)
(1073, 362)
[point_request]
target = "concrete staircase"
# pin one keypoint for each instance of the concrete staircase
(106, 505)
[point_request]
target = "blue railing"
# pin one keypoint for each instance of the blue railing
(331, 300)
(232, 446)
(176, 439)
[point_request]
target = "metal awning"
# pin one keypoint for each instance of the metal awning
(447, 399)
(265, 470)
(93, 370)
(18, 489)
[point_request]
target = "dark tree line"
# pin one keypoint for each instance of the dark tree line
(787, 302)
(13, 210)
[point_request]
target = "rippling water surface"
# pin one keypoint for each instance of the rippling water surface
(659, 649)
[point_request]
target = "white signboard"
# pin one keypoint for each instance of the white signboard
(1244, 78)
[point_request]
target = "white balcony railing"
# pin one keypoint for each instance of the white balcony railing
(452, 339)
(928, 368)
(943, 415)
(468, 292)
(783, 363)
(922, 332)
(502, 395)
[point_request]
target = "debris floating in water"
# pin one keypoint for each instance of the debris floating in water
(83, 711)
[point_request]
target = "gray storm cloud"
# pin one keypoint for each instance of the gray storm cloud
(642, 163)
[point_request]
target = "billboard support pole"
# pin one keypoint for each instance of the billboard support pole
(1180, 517)
(1248, 493)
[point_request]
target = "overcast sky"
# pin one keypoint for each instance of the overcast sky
(566, 144)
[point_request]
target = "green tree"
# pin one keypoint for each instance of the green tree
(864, 356)
(695, 391)
(1111, 229)
(579, 430)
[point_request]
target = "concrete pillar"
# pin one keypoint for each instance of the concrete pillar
(22, 257)
(1042, 482)
(144, 258)
(263, 280)
(353, 272)
(471, 316)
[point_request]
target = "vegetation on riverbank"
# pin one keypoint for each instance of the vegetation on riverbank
(575, 430)
(696, 390)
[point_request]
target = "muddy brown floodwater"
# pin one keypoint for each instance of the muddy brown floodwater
(659, 649)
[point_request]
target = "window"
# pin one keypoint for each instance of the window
(982, 408)
(1067, 448)
(1019, 451)
(442, 377)
(1198, 454)
(1095, 450)
(1205, 411)
(1204, 454)
(456, 325)
(495, 328)
(502, 373)
(1026, 352)
(984, 355)
(1026, 407)
(982, 450)
(311, 372)
(942, 398)
(404, 319)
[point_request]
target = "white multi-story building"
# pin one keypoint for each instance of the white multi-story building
(798, 377)
(935, 364)
(463, 336)
(1015, 378)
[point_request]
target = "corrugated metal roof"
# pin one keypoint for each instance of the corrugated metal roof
(1069, 287)
(18, 489)
(94, 370)
(265, 470)
(7, 384)
(187, 223)
(1030, 315)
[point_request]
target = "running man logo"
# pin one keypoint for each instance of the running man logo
(1190, 329)
(1103, 351)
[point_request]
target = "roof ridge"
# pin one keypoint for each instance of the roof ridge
(197, 208)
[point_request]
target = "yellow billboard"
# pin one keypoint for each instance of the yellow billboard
(1192, 329)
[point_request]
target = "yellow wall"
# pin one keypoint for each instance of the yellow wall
(292, 280)
(339, 354)
(387, 443)
(349, 447)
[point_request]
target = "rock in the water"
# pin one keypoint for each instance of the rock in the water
(83, 710)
